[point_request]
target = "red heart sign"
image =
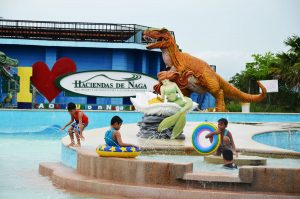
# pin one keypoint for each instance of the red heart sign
(44, 79)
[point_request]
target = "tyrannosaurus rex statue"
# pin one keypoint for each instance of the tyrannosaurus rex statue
(6, 62)
(195, 75)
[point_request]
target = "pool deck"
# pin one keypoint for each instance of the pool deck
(243, 138)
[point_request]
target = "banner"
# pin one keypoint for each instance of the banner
(270, 85)
(106, 83)
(86, 107)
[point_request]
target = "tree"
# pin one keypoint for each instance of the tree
(256, 70)
(285, 67)
(288, 67)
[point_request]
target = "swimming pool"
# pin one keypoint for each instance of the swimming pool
(23, 119)
(20, 155)
(281, 139)
(28, 137)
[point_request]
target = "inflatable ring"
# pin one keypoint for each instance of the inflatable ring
(198, 131)
(116, 151)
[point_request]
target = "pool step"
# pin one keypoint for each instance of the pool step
(68, 178)
(212, 177)
(240, 161)
(217, 181)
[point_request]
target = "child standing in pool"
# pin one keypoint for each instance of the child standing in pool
(113, 135)
(80, 121)
(227, 141)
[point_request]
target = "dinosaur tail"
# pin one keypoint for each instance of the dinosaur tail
(234, 93)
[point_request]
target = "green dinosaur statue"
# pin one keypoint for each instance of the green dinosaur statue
(7, 99)
(5, 63)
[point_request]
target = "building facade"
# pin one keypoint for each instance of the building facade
(92, 46)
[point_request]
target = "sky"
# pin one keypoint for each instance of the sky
(224, 33)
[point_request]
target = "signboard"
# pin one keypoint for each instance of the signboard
(86, 107)
(106, 83)
(270, 85)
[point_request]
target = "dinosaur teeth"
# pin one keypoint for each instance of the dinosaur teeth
(149, 39)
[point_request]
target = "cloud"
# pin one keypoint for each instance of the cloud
(224, 33)
(228, 62)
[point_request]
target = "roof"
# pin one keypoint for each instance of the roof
(71, 31)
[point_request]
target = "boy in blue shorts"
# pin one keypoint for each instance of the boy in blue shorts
(113, 135)
(78, 123)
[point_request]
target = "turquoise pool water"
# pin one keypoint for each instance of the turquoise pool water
(281, 139)
(99, 119)
(30, 137)
(26, 139)
(20, 155)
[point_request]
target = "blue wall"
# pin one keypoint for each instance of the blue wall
(27, 55)
(137, 60)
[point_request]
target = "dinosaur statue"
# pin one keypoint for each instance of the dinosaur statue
(7, 99)
(195, 75)
(5, 63)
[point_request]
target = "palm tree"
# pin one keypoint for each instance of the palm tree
(288, 68)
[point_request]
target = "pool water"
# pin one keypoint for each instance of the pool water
(281, 139)
(20, 155)
(30, 137)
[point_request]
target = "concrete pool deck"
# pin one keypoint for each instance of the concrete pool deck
(242, 134)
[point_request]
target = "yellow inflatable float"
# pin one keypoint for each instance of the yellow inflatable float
(116, 151)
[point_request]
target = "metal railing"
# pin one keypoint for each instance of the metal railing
(71, 31)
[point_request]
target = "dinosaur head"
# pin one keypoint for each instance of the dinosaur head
(7, 61)
(158, 38)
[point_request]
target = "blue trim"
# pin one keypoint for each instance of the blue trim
(75, 44)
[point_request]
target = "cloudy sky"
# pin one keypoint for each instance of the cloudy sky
(222, 32)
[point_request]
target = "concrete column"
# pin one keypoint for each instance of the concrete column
(119, 60)
(50, 56)
(144, 63)
(158, 64)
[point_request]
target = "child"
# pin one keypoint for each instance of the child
(228, 159)
(227, 141)
(81, 121)
(113, 135)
